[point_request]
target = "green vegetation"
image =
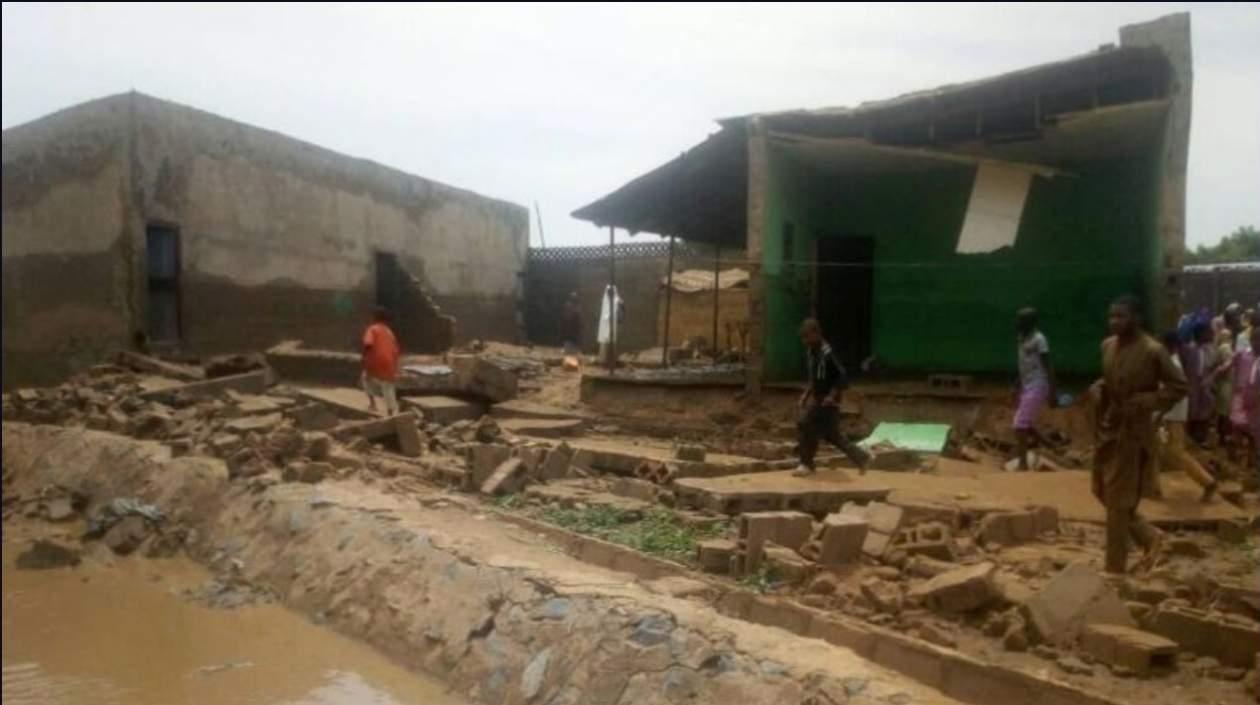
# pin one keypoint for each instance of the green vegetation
(657, 532)
(1242, 245)
(761, 581)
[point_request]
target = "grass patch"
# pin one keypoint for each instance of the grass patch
(657, 532)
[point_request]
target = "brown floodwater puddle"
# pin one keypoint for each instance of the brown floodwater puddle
(123, 634)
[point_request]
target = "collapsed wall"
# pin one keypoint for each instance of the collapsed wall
(497, 613)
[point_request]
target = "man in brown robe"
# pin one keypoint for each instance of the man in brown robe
(1139, 380)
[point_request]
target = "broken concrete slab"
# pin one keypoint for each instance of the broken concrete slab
(147, 363)
(1077, 596)
(1140, 652)
(785, 564)
(1233, 640)
(410, 443)
(524, 409)
(249, 383)
(544, 428)
(1009, 528)
(485, 459)
(444, 410)
(958, 590)
(477, 375)
(313, 417)
(253, 424)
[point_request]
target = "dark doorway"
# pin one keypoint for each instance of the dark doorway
(388, 281)
(162, 251)
(846, 277)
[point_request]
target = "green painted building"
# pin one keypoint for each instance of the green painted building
(914, 228)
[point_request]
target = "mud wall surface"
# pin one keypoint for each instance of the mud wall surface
(66, 241)
(280, 237)
(494, 611)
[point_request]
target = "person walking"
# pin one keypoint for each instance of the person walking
(380, 362)
(820, 403)
(1139, 381)
(1175, 456)
(1036, 383)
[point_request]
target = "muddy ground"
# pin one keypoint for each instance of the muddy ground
(458, 549)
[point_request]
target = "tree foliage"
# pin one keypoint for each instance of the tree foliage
(1242, 245)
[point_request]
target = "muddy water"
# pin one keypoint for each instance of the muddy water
(98, 635)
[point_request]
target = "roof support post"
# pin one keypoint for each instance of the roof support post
(611, 296)
(717, 271)
(758, 164)
(669, 297)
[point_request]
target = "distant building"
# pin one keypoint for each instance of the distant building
(132, 214)
(915, 227)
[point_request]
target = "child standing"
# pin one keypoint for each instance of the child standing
(1036, 382)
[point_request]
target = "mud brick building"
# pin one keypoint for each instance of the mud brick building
(915, 227)
(129, 214)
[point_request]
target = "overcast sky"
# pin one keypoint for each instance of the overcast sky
(561, 104)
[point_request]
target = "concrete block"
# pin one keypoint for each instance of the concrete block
(693, 453)
(1075, 597)
(842, 538)
(444, 410)
(484, 378)
(507, 478)
(1125, 647)
(1008, 528)
(556, 465)
(486, 458)
(146, 363)
(959, 590)
(714, 555)
(409, 442)
(1234, 641)
(786, 564)
(932, 539)
(633, 487)
(1046, 519)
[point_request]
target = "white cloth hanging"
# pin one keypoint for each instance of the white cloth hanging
(611, 299)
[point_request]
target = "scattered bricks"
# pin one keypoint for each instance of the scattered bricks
(345, 460)
(1183, 546)
(225, 444)
(1136, 650)
(284, 443)
(1234, 641)
(487, 430)
(444, 410)
(317, 444)
(479, 376)
(486, 458)
(960, 590)
(313, 417)
(556, 466)
(823, 584)
(1075, 597)
(883, 521)
(665, 474)
(1008, 528)
(248, 383)
(151, 424)
(409, 441)
(842, 537)
(928, 567)
(693, 453)
(932, 539)
(790, 529)
(714, 555)
(253, 424)
(508, 478)
(883, 596)
(786, 564)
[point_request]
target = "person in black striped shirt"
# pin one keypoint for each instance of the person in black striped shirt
(820, 403)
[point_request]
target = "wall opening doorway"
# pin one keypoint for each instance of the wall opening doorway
(845, 285)
(388, 282)
(163, 323)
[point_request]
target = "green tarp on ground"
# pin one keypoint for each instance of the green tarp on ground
(919, 437)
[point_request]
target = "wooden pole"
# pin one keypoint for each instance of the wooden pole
(669, 297)
(717, 264)
(612, 300)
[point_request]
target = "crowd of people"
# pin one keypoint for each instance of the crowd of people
(1155, 402)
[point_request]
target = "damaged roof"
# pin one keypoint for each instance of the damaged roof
(1106, 103)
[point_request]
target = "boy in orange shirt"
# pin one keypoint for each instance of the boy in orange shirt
(380, 362)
